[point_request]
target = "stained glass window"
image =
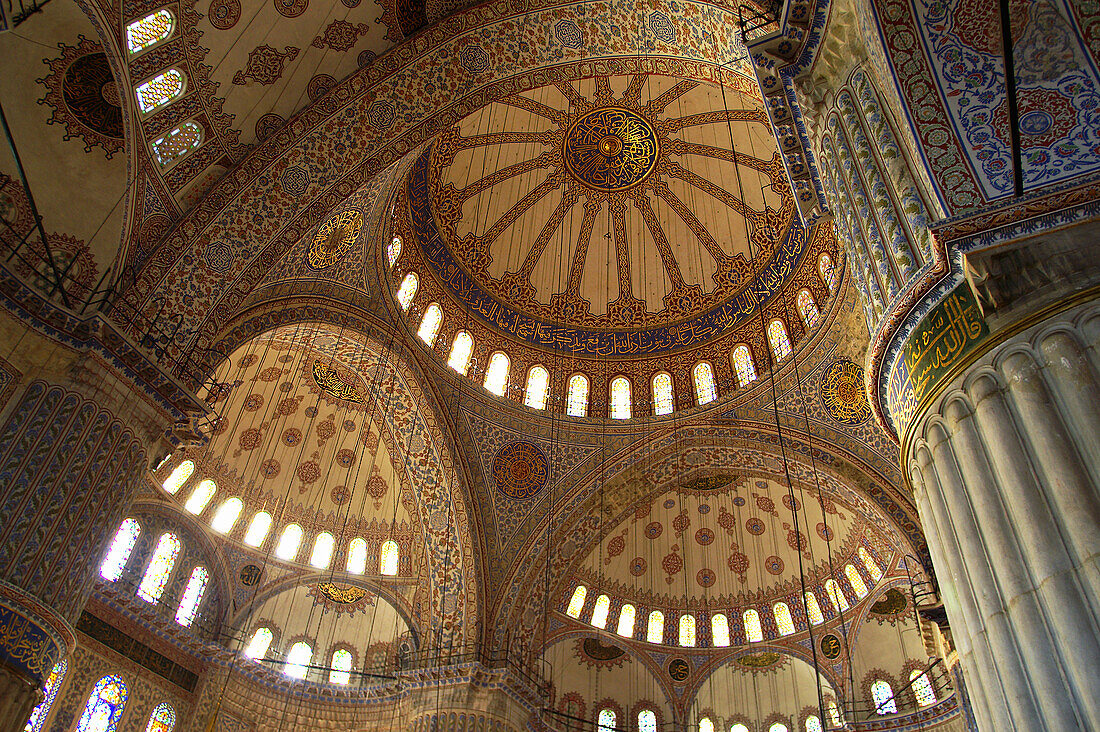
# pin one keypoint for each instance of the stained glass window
(297, 659)
(257, 529)
(192, 596)
(840, 602)
(459, 359)
(827, 271)
(341, 667)
(870, 563)
(121, 548)
(626, 621)
(577, 403)
(922, 688)
(177, 143)
(813, 723)
(834, 713)
(607, 719)
(720, 630)
(858, 585)
(104, 706)
(390, 555)
(261, 641)
(49, 693)
(620, 398)
(813, 610)
(160, 567)
(201, 496)
(662, 394)
(322, 550)
(600, 610)
(753, 632)
(742, 363)
(496, 376)
(655, 630)
(179, 476)
(429, 324)
(163, 718)
(407, 291)
(287, 548)
(706, 725)
(357, 556)
(687, 630)
(783, 620)
(393, 251)
(647, 721)
(704, 383)
(884, 698)
(226, 515)
(807, 308)
(576, 602)
(538, 379)
(777, 336)
(160, 90)
(153, 28)
(777, 727)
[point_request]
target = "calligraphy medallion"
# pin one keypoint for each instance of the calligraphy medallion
(334, 239)
(330, 381)
(520, 469)
(610, 149)
(842, 393)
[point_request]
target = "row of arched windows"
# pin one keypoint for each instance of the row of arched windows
(812, 723)
(607, 720)
(104, 706)
(290, 540)
(300, 656)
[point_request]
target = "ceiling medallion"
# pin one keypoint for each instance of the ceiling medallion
(842, 393)
(330, 382)
(610, 149)
(520, 469)
(334, 239)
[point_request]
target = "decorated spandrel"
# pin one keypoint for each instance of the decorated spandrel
(335, 238)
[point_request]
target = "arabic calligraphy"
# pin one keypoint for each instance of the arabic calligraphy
(341, 595)
(26, 646)
(842, 393)
(610, 149)
(520, 469)
(334, 238)
(330, 382)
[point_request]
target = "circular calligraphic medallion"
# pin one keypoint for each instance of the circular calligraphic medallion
(250, 575)
(842, 393)
(830, 646)
(610, 149)
(678, 670)
(335, 238)
(520, 469)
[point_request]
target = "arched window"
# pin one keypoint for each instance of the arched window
(870, 563)
(705, 390)
(340, 672)
(739, 728)
(257, 529)
(163, 718)
(393, 251)
(777, 727)
(813, 723)
(753, 632)
(160, 567)
(576, 602)
(121, 548)
(687, 630)
(655, 627)
(884, 698)
(922, 688)
(720, 630)
(777, 336)
(662, 394)
(626, 621)
(827, 271)
(388, 557)
(813, 610)
(357, 556)
(783, 620)
(538, 379)
(607, 720)
(743, 365)
(177, 143)
(620, 398)
(600, 610)
(179, 476)
(407, 291)
(647, 721)
(49, 693)
(297, 660)
(322, 550)
(577, 401)
(496, 376)
(261, 641)
(226, 515)
(287, 548)
(104, 706)
(459, 359)
(201, 496)
(152, 29)
(858, 585)
(429, 324)
(706, 725)
(192, 596)
(834, 713)
(840, 602)
(807, 308)
(160, 90)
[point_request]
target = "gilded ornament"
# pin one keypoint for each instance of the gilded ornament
(335, 238)
(329, 381)
(341, 595)
(610, 149)
(842, 393)
(759, 660)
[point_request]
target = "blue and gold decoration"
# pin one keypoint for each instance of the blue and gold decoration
(610, 149)
(520, 469)
(842, 393)
(335, 238)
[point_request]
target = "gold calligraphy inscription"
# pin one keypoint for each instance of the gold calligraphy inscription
(341, 595)
(330, 382)
(610, 149)
(26, 646)
(334, 238)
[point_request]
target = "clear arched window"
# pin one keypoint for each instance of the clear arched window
(49, 693)
(179, 476)
(322, 550)
(840, 602)
(687, 630)
(226, 515)
(662, 394)
(407, 291)
(883, 696)
(577, 400)
(393, 251)
(340, 673)
(538, 379)
(163, 718)
(389, 557)
(827, 271)
(739, 728)
(104, 706)
(777, 727)
(600, 610)
(834, 713)
(357, 556)
(429, 324)
(706, 724)
(150, 30)
(870, 563)
(720, 630)
(783, 620)
(261, 641)
(813, 723)
(813, 610)
(856, 581)
(753, 632)
(620, 398)
(777, 336)
(922, 688)
(607, 720)
(201, 496)
(192, 596)
(257, 529)
(647, 721)
(459, 359)
(297, 660)
(743, 365)
(160, 568)
(287, 548)
(177, 143)
(807, 308)
(160, 90)
(496, 376)
(626, 621)
(703, 376)
(576, 602)
(121, 548)
(655, 628)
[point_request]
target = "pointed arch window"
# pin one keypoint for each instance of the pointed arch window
(178, 477)
(577, 401)
(743, 365)
(429, 324)
(227, 515)
(703, 375)
(287, 548)
(626, 621)
(192, 596)
(538, 378)
(261, 641)
(321, 555)
(163, 718)
(160, 90)
(813, 610)
(389, 557)
(297, 660)
(576, 602)
(257, 529)
(393, 251)
(160, 568)
(655, 628)
(407, 291)
(122, 546)
(461, 348)
(49, 693)
(706, 725)
(177, 143)
(840, 602)
(783, 620)
(340, 673)
(922, 687)
(662, 394)
(647, 721)
(607, 720)
(600, 610)
(807, 308)
(201, 496)
(496, 376)
(720, 630)
(150, 30)
(827, 271)
(856, 581)
(883, 696)
(813, 723)
(753, 632)
(357, 556)
(104, 706)
(777, 337)
(620, 398)
(870, 563)
(687, 630)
